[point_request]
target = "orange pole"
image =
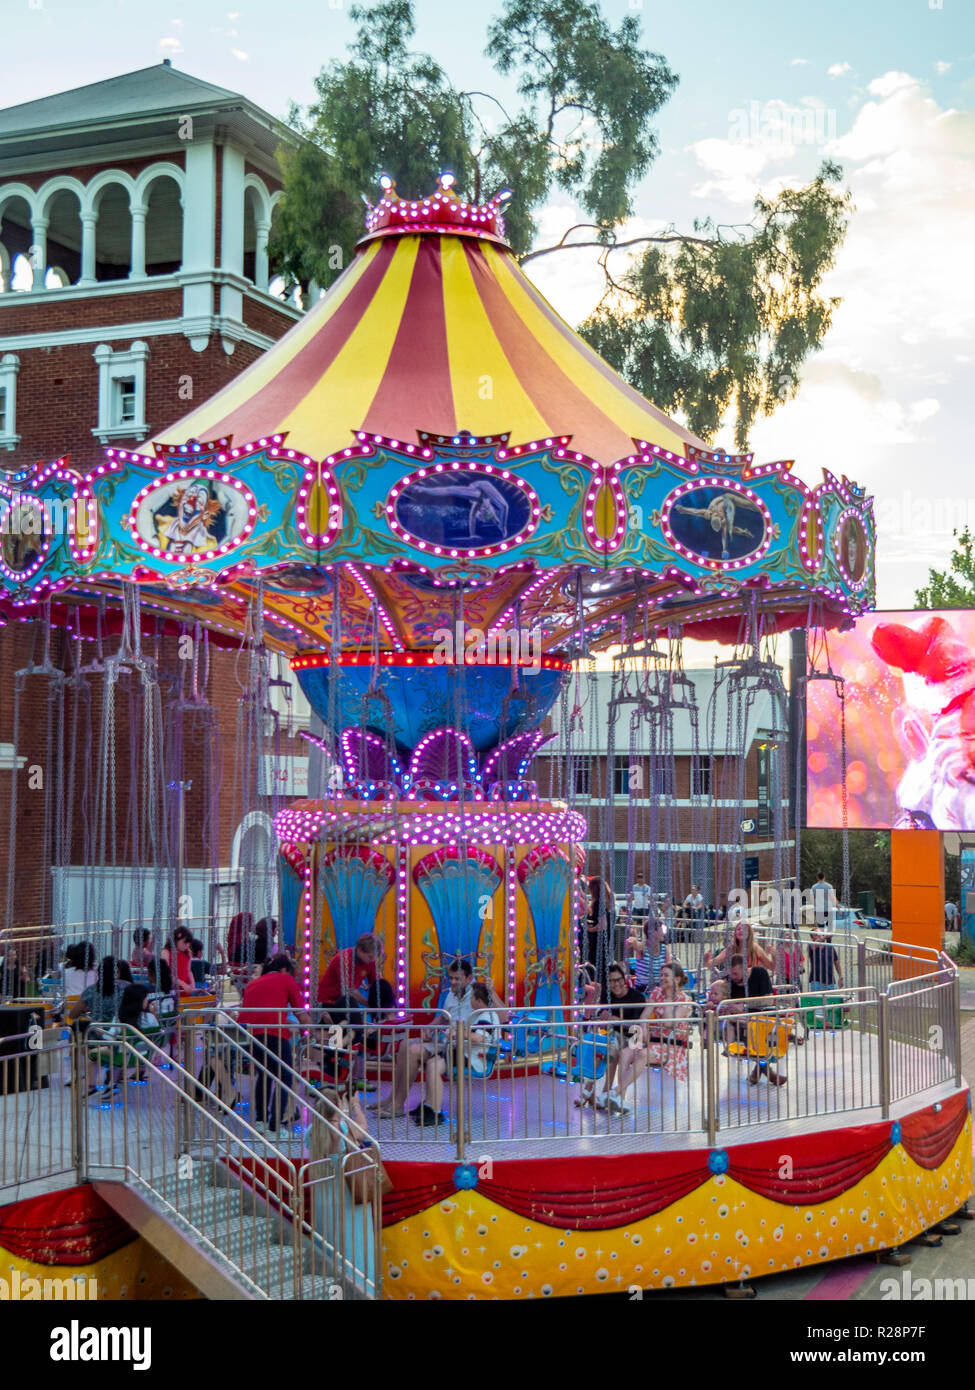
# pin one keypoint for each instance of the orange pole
(917, 888)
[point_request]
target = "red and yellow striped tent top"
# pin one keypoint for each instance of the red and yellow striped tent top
(433, 332)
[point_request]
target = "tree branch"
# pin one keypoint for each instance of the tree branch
(605, 246)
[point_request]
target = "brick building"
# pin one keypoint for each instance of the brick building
(134, 281)
(697, 800)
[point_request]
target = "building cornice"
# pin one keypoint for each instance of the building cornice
(75, 294)
(200, 327)
(248, 120)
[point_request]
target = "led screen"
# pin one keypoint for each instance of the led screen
(910, 724)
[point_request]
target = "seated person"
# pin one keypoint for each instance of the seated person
(199, 966)
(141, 948)
(660, 1038)
(429, 1051)
(484, 1029)
(239, 938)
(791, 964)
(265, 940)
(178, 955)
(651, 955)
(79, 969)
(755, 997)
(134, 1010)
(352, 983)
(717, 994)
(743, 943)
(161, 996)
(672, 987)
(623, 1006)
(100, 1002)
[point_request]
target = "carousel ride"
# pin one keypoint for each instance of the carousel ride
(440, 506)
(437, 502)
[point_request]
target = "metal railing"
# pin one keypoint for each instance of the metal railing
(107, 1103)
(343, 1236)
(798, 1057)
(298, 1213)
(557, 1073)
(548, 1074)
(922, 1035)
(32, 1066)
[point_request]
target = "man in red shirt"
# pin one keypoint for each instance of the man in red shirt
(352, 981)
(267, 1002)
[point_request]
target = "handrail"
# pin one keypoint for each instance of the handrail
(291, 1091)
(182, 1083)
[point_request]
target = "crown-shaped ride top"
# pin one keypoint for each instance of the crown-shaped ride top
(442, 211)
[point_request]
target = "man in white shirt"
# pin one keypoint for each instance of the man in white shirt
(640, 899)
(694, 904)
(951, 916)
(428, 1050)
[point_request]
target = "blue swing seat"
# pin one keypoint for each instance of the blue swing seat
(528, 1031)
(586, 1059)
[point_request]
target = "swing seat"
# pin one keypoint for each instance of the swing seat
(586, 1061)
(482, 1062)
(108, 1052)
(766, 1041)
(821, 1011)
(528, 1032)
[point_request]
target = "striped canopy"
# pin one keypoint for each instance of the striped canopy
(440, 333)
(320, 468)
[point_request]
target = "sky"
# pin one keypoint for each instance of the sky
(767, 90)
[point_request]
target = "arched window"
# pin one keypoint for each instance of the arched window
(252, 215)
(164, 226)
(113, 235)
(63, 212)
(22, 275)
(15, 238)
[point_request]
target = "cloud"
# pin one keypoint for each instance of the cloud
(169, 45)
(799, 63)
(884, 397)
(838, 69)
(239, 55)
(942, 68)
(760, 135)
(176, 23)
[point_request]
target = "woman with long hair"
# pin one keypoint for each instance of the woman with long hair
(180, 947)
(101, 1001)
(659, 1039)
(742, 943)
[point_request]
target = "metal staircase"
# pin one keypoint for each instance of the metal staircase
(238, 1213)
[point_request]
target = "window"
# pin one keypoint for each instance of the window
(701, 775)
(123, 412)
(121, 393)
(663, 776)
(582, 781)
(621, 776)
(9, 367)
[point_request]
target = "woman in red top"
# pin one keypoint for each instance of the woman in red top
(265, 1007)
(182, 969)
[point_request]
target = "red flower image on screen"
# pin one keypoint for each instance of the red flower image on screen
(910, 724)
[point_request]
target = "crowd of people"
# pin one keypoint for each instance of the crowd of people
(644, 1004)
